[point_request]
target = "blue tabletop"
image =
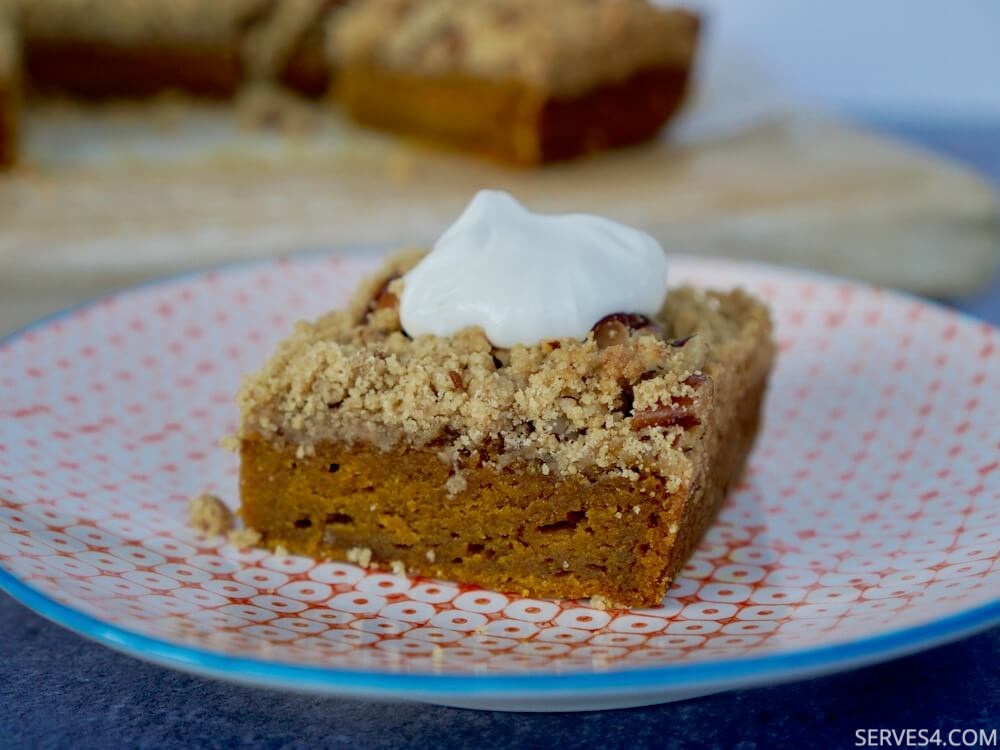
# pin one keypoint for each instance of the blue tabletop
(59, 690)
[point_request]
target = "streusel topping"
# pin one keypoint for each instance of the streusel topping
(558, 46)
(626, 400)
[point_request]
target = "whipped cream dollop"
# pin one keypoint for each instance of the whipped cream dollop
(525, 278)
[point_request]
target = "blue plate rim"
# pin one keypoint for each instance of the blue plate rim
(720, 672)
(746, 670)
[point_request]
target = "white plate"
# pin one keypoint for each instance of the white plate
(867, 526)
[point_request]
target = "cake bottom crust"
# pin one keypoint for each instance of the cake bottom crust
(512, 531)
(508, 120)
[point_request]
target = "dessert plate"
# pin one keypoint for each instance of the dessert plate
(867, 525)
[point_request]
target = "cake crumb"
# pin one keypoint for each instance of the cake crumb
(431, 556)
(636, 509)
(565, 565)
(456, 483)
(360, 556)
(545, 470)
(244, 538)
(209, 515)
(673, 528)
(398, 567)
(599, 602)
(281, 550)
(618, 514)
(230, 443)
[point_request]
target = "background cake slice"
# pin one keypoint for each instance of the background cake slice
(10, 88)
(523, 81)
(119, 48)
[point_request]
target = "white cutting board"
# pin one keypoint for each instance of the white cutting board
(110, 196)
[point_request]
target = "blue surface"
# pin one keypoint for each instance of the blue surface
(57, 689)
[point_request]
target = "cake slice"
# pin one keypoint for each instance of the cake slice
(522, 81)
(10, 90)
(570, 466)
(118, 48)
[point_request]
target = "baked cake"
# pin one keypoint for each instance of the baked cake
(523, 81)
(519, 80)
(579, 463)
(115, 48)
(10, 89)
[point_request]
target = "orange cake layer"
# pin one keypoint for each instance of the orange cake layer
(511, 121)
(569, 468)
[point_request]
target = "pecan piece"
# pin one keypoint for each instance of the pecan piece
(695, 379)
(616, 328)
(456, 380)
(383, 299)
(672, 415)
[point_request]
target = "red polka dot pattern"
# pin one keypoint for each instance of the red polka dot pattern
(871, 503)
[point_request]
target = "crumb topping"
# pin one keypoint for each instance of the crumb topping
(244, 538)
(209, 515)
(359, 556)
(566, 407)
(600, 603)
(559, 46)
